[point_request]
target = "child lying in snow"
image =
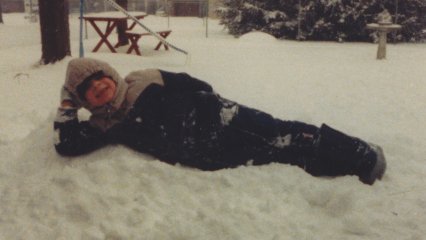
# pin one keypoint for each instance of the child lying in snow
(180, 119)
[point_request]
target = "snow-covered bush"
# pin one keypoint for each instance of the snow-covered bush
(339, 20)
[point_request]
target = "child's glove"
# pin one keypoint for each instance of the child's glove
(68, 110)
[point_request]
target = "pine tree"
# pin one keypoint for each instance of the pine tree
(337, 20)
(411, 15)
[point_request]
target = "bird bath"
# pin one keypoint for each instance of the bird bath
(383, 27)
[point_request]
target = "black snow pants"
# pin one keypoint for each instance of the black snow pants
(249, 136)
(205, 131)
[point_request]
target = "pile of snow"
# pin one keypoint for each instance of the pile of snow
(116, 193)
(257, 37)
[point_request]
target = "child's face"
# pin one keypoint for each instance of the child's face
(101, 91)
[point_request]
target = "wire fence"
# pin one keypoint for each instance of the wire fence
(198, 8)
(159, 7)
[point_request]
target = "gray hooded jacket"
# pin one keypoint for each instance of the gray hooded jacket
(128, 90)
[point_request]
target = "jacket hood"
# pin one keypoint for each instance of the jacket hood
(81, 68)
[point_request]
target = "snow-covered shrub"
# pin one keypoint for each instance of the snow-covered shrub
(337, 20)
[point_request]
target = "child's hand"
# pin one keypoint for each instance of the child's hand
(67, 104)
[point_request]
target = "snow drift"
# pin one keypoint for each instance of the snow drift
(116, 193)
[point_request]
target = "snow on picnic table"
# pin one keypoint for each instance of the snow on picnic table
(115, 193)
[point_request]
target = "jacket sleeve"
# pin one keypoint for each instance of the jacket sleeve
(183, 82)
(77, 138)
(66, 95)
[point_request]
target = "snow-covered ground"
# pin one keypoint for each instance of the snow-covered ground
(116, 193)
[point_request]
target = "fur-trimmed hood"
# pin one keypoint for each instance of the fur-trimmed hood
(105, 116)
(127, 92)
(81, 68)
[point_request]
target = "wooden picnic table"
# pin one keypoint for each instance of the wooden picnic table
(112, 19)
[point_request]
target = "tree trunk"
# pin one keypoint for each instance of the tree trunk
(122, 26)
(54, 27)
(1, 12)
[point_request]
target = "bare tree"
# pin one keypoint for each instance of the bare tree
(122, 26)
(54, 27)
(1, 12)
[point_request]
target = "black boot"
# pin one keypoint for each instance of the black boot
(339, 154)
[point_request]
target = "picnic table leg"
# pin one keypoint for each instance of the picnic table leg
(104, 36)
(164, 35)
(134, 44)
(133, 24)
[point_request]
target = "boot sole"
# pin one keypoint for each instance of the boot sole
(379, 168)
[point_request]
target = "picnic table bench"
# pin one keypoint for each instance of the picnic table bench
(135, 35)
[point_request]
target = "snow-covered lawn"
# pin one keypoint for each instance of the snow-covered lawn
(116, 193)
